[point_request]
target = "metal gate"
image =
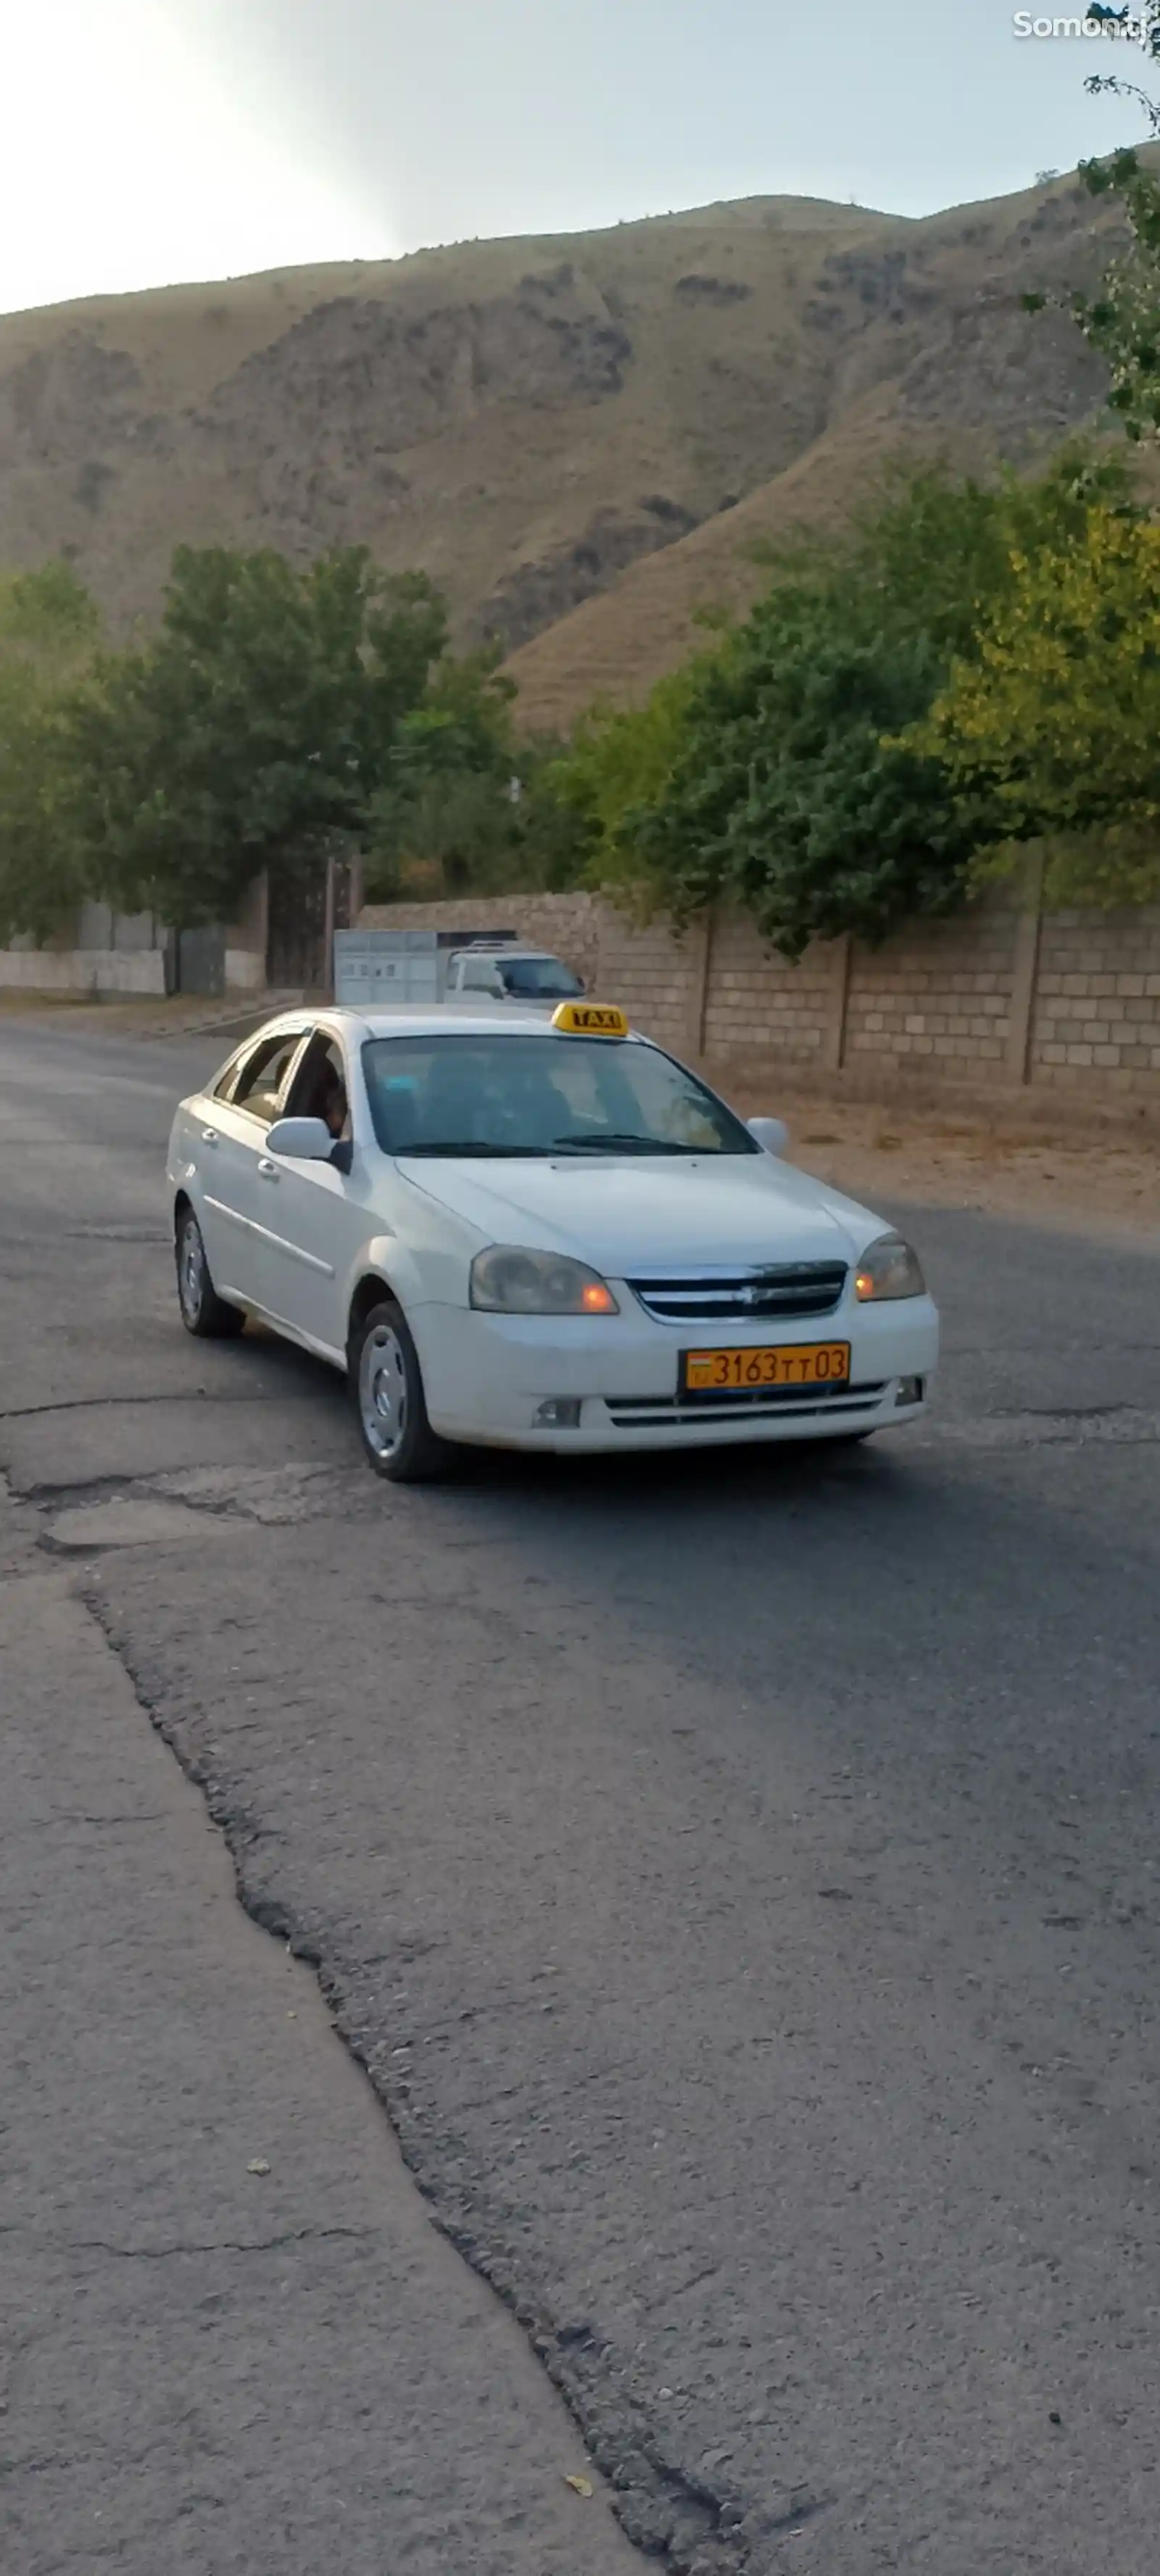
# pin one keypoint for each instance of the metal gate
(199, 964)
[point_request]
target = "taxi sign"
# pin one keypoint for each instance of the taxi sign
(590, 1020)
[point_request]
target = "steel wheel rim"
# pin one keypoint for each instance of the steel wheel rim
(191, 1272)
(382, 1389)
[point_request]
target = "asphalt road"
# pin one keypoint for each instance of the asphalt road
(739, 1881)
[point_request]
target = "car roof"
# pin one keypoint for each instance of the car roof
(466, 1020)
(412, 1019)
(505, 950)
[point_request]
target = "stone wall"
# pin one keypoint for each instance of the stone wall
(567, 925)
(757, 1004)
(941, 997)
(1000, 999)
(1096, 1011)
(91, 970)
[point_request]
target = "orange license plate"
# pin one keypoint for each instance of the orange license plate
(787, 1364)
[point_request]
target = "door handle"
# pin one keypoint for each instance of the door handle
(209, 1135)
(268, 1168)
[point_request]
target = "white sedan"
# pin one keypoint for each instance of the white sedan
(536, 1236)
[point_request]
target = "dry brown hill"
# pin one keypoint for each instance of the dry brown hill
(530, 419)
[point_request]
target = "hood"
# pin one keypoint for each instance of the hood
(649, 1212)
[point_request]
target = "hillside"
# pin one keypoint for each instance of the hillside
(607, 419)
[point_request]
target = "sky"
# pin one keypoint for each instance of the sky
(151, 141)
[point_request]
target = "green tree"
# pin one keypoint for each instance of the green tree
(468, 801)
(49, 633)
(620, 763)
(1122, 319)
(780, 770)
(785, 797)
(1053, 728)
(252, 731)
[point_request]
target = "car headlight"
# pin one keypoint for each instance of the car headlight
(889, 1268)
(506, 1280)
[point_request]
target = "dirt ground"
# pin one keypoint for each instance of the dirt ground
(1098, 1182)
(145, 1015)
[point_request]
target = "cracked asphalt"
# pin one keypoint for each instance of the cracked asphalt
(738, 1882)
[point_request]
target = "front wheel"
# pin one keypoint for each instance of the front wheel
(203, 1312)
(387, 1385)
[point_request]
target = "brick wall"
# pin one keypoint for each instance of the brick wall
(756, 1003)
(658, 971)
(940, 996)
(1096, 1016)
(996, 999)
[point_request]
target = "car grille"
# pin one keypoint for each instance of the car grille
(742, 1296)
(656, 1412)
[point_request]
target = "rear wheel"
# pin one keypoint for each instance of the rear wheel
(203, 1312)
(387, 1385)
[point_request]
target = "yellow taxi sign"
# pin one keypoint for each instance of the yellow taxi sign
(590, 1020)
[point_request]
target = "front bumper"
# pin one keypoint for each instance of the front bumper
(487, 1375)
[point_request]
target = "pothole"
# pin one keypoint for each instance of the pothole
(129, 1523)
(155, 1510)
(273, 1496)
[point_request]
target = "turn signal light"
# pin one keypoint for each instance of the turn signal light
(596, 1299)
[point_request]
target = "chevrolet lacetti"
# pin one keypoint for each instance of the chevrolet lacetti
(538, 1235)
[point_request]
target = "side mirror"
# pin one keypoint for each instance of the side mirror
(303, 1140)
(771, 1135)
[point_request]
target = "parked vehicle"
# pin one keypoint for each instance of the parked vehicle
(503, 971)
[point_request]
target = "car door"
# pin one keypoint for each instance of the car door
(227, 1142)
(311, 1216)
(480, 975)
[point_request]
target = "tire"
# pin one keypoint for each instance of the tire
(203, 1312)
(386, 1383)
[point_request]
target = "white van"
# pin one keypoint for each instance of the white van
(504, 970)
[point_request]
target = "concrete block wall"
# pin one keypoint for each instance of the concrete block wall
(82, 970)
(96, 951)
(940, 995)
(1096, 1017)
(756, 1003)
(998, 1000)
(567, 925)
(654, 974)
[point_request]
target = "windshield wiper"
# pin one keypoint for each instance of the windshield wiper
(613, 1142)
(464, 1146)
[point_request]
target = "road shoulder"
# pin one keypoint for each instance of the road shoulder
(233, 2335)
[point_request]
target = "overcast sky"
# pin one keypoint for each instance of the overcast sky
(147, 141)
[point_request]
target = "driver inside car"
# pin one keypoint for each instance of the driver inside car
(331, 1103)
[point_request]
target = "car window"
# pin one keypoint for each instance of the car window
(319, 1088)
(541, 1095)
(479, 976)
(541, 979)
(224, 1086)
(263, 1074)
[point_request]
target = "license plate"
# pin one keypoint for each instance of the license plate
(788, 1364)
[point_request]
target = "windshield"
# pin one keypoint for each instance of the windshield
(546, 1096)
(540, 978)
